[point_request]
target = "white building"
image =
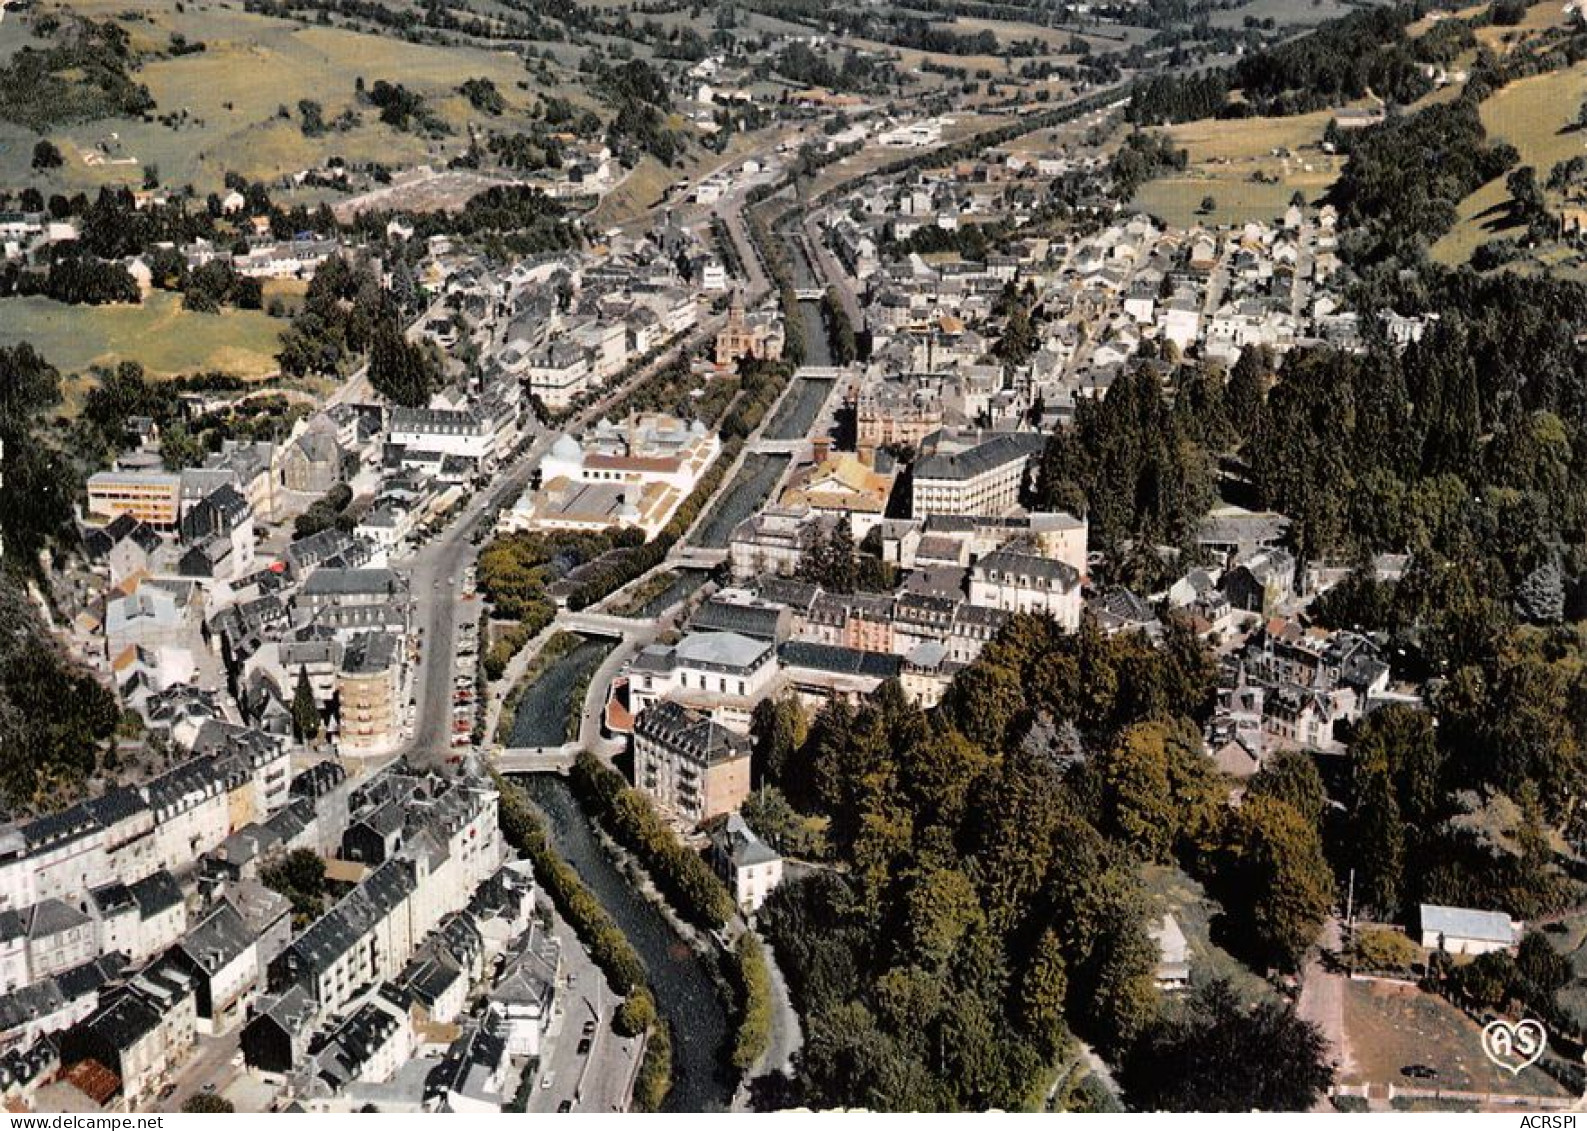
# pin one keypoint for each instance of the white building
(634, 474)
(1021, 582)
(722, 674)
(468, 433)
(972, 474)
(1462, 930)
(746, 864)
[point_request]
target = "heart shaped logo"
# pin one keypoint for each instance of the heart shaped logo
(1514, 1046)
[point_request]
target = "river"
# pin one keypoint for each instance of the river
(799, 409)
(752, 485)
(685, 992)
(542, 715)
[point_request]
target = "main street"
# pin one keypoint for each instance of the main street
(434, 571)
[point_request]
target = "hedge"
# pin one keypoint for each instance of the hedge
(655, 1072)
(754, 986)
(609, 948)
(681, 874)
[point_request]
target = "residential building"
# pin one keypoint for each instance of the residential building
(747, 865)
(722, 674)
(1019, 581)
(369, 688)
(689, 764)
(520, 1007)
(222, 956)
(973, 473)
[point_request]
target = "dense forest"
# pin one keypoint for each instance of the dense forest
(55, 718)
(991, 905)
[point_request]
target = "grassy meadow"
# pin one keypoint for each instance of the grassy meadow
(1225, 156)
(168, 340)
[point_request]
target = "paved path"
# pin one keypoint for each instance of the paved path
(787, 1035)
(433, 571)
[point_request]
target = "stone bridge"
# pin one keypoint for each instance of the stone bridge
(536, 759)
(697, 557)
(603, 624)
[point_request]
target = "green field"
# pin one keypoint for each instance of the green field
(166, 339)
(1226, 155)
(1531, 114)
(252, 66)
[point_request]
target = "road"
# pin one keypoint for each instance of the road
(209, 1064)
(433, 571)
(596, 1080)
(1322, 1002)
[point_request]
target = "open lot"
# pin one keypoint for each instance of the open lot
(1390, 1026)
(1250, 167)
(1284, 13)
(168, 340)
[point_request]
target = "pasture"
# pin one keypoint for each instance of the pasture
(1534, 115)
(1250, 167)
(166, 339)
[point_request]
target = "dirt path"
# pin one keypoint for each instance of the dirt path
(1322, 1002)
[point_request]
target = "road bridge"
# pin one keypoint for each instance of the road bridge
(536, 759)
(603, 624)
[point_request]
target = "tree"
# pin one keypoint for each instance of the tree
(404, 371)
(1280, 886)
(1140, 806)
(207, 1103)
(1039, 1007)
(1209, 205)
(180, 448)
(305, 709)
(1384, 949)
(300, 876)
(940, 907)
(778, 729)
(1291, 776)
(1225, 1056)
(46, 155)
(1377, 840)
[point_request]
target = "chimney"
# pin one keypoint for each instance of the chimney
(821, 448)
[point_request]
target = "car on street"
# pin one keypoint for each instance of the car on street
(564, 1107)
(584, 1047)
(547, 1079)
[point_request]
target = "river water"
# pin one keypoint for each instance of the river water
(752, 485)
(542, 715)
(798, 409)
(685, 992)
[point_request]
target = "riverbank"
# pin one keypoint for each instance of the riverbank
(684, 982)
